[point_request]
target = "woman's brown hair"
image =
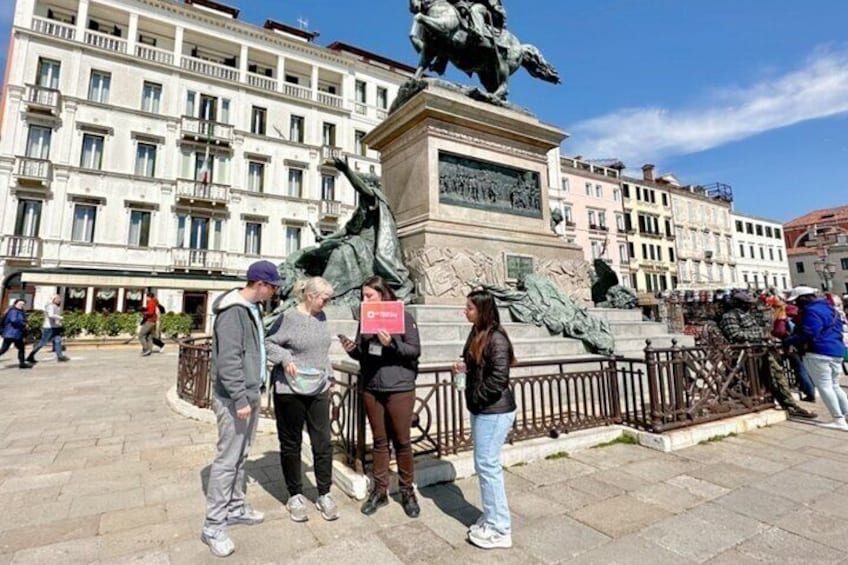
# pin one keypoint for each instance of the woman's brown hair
(488, 321)
(377, 283)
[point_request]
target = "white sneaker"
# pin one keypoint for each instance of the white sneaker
(327, 507)
(245, 515)
(487, 538)
(218, 540)
(296, 506)
(836, 424)
(478, 524)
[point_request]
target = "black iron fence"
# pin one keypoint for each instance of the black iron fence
(668, 388)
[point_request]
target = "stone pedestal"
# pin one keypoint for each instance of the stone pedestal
(468, 184)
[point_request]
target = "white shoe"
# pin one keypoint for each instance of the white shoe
(218, 540)
(836, 424)
(488, 538)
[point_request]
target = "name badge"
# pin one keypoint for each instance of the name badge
(375, 349)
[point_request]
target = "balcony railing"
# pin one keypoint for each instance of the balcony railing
(204, 259)
(598, 227)
(106, 41)
(208, 68)
(297, 91)
(261, 81)
(328, 99)
(21, 247)
(331, 208)
(570, 224)
(197, 190)
(212, 131)
(331, 152)
(54, 28)
(154, 54)
(31, 168)
(42, 97)
(382, 113)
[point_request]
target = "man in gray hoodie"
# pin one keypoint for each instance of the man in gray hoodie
(238, 372)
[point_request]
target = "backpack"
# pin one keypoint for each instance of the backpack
(161, 308)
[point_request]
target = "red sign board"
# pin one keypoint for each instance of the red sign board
(376, 316)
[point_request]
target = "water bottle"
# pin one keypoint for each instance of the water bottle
(459, 376)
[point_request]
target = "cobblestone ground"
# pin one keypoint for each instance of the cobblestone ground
(95, 468)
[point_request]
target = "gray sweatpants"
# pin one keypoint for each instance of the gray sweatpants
(227, 481)
(145, 334)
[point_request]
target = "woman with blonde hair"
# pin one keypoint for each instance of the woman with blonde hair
(302, 376)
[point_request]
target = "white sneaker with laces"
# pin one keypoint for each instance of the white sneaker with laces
(487, 537)
(296, 506)
(327, 507)
(836, 424)
(218, 540)
(245, 515)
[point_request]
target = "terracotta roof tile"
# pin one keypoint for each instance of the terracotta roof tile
(837, 214)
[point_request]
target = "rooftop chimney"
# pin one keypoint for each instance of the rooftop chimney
(648, 172)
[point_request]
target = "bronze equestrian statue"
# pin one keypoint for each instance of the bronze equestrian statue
(472, 35)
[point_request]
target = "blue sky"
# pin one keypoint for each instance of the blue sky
(750, 93)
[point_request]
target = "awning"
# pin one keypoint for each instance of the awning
(108, 278)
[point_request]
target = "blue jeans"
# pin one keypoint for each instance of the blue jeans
(48, 334)
(488, 432)
(805, 383)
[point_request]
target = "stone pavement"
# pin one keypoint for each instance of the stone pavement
(95, 468)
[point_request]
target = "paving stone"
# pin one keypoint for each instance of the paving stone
(566, 496)
(836, 470)
(600, 490)
(156, 557)
(703, 532)
(369, 549)
(655, 470)
(549, 472)
(727, 475)
(630, 550)
(551, 541)
(619, 516)
(827, 529)
(779, 546)
(698, 487)
(757, 504)
(84, 550)
(831, 503)
(34, 482)
(131, 518)
(532, 504)
(48, 533)
(413, 542)
(145, 538)
(797, 485)
(615, 455)
(99, 503)
(668, 497)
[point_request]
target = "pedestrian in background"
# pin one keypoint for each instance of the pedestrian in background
(238, 373)
(820, 332)
(14, 330)
(388, 369)
(488, 356)
(51, 330)
(302, 375)
(149, 319)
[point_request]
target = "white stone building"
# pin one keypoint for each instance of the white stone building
(760, 252)
(166, 145)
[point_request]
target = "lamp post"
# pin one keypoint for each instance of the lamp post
(826, 272)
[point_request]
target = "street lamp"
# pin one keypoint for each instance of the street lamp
(826, 271)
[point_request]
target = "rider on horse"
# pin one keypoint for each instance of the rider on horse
(484, 19)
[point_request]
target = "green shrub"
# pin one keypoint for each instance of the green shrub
(72, 322)
(175, 325)
(34, 321)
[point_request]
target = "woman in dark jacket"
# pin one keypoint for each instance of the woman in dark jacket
(388, 367)
(487, 357)
(14, 330)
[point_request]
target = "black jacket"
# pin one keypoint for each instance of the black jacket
(487, 389)
(395, 369)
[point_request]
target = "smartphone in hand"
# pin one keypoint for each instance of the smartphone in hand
(344, 339)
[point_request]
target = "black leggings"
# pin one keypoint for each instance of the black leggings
(19, 344)
(292, 411)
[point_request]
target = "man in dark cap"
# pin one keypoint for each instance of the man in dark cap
(740, 325)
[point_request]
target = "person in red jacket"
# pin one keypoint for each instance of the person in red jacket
(148, 324)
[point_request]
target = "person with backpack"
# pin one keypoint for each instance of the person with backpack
(14, 330)
(820, 331)
(149, 319)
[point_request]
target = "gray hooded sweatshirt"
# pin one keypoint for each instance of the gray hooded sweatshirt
(238, 350)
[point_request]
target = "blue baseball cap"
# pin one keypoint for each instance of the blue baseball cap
(264, 271)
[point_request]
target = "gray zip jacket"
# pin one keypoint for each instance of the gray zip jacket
(237, 345)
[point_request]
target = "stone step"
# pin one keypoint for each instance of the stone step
(614, 315)
(640, 329)
(444, 331)
(635, 346)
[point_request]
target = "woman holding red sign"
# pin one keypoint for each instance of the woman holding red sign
(486, 359)
(388, 367)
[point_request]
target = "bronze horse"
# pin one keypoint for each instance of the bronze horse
(439, 36)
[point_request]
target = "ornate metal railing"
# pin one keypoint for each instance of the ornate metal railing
(669, 388)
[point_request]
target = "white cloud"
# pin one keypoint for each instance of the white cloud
(635, 135)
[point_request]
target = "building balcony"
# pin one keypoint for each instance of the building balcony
(106, 41)
(330, 152)
(42, 100)
(149, 53)
(54, 28)
(296, 91)
(569, 224)
(598, 227)
(330, 100)
(32, 172)
(209, 68)
(197, 192)
(330, 210)
(197, 259)
(21, 248)
(205, 131)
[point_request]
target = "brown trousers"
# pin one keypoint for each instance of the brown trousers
(390, 416)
